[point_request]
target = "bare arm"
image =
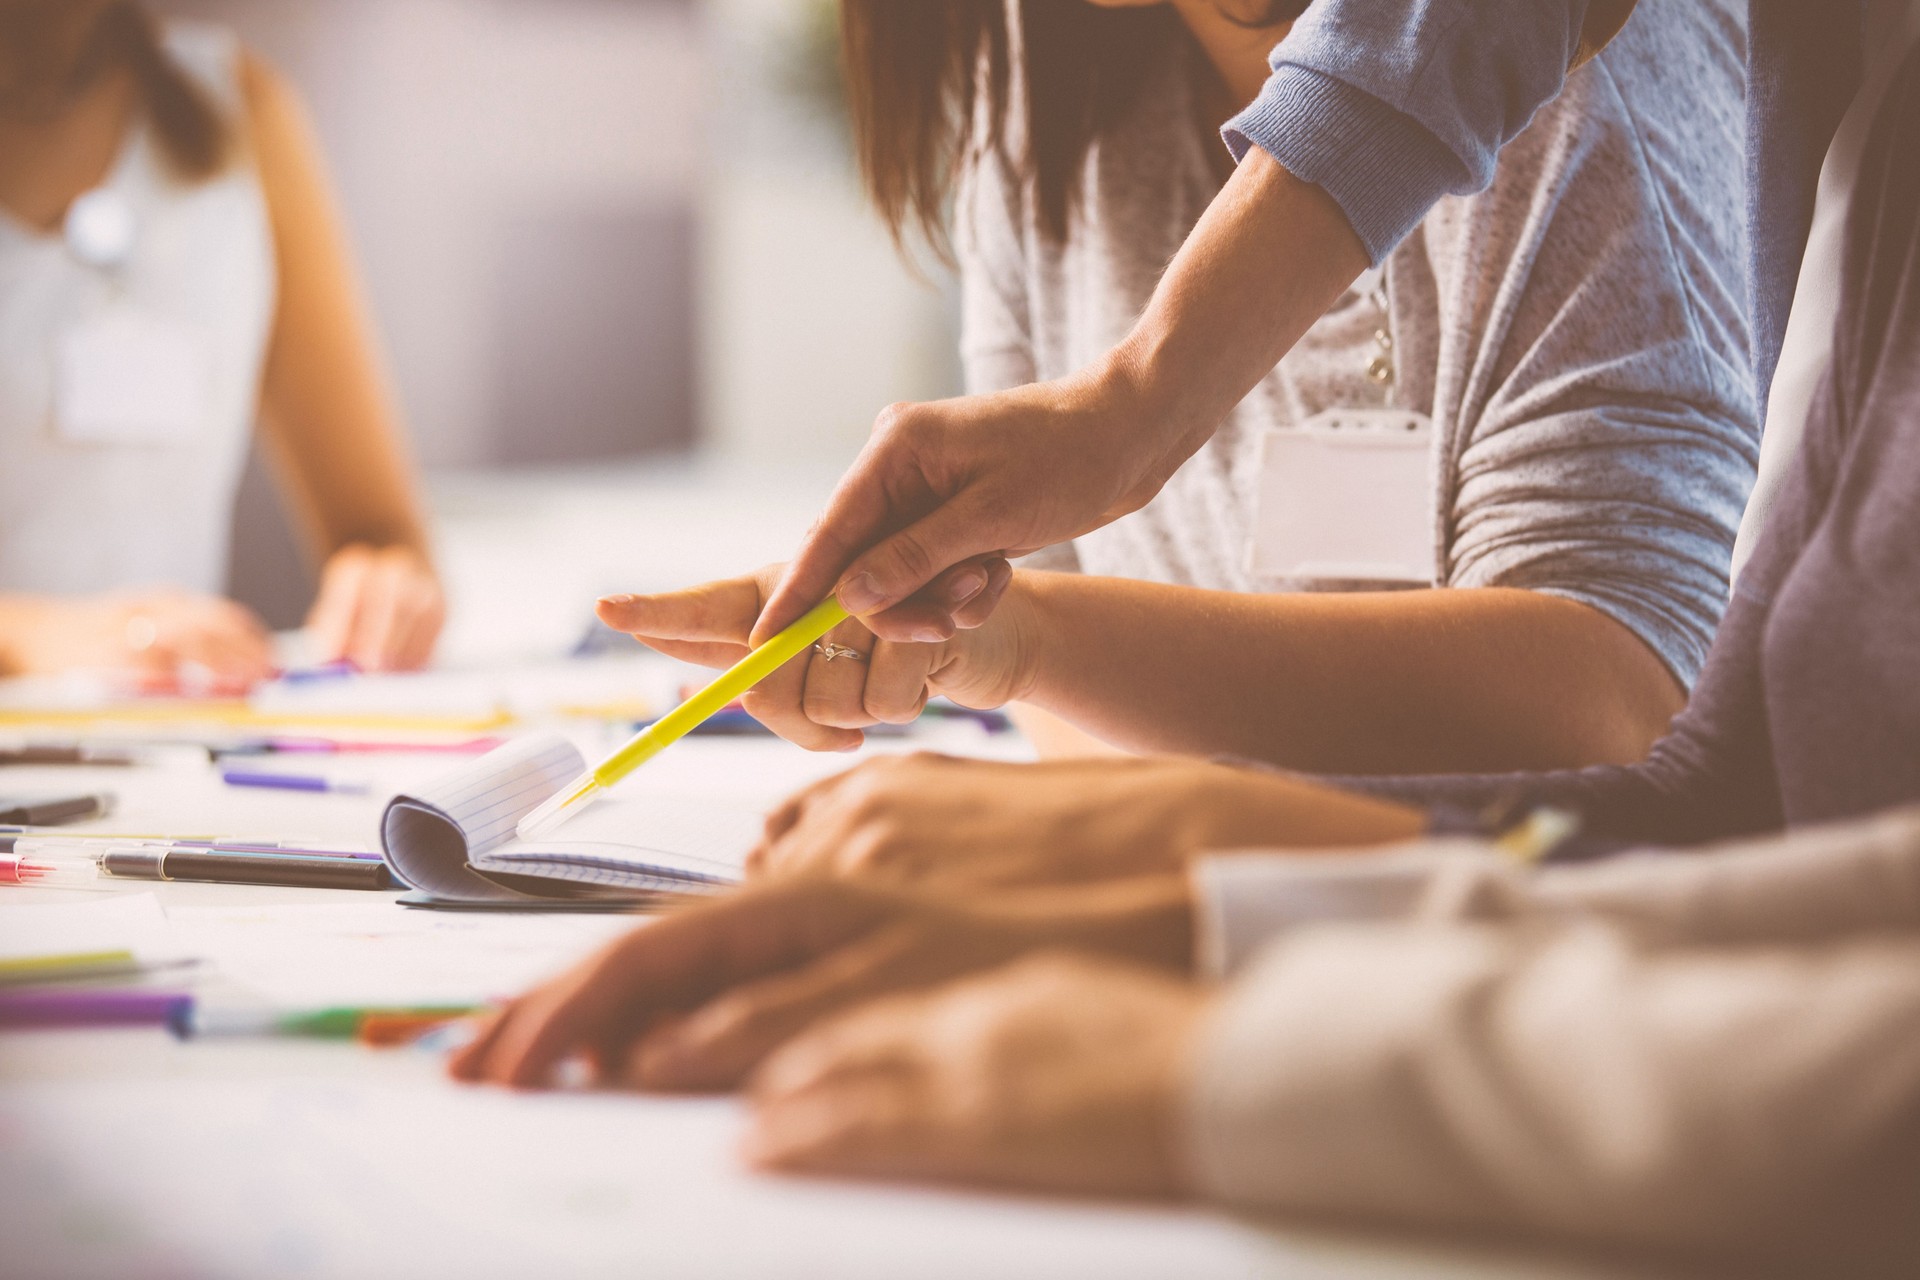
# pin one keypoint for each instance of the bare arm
(1386, 682)
(947, 483)
(1482, 678)
(327, 409)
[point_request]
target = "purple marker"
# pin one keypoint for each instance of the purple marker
(338, 669)
(20, 1009)
(293, 782)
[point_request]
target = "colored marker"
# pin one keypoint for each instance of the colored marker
(338, 669)
(295, 782)
(335, 746)
(87, 1008)
(382, 1025)
(27, 872)
(45, 834)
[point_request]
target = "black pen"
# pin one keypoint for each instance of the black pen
(212, 867)
(118, 756)
(52, 811)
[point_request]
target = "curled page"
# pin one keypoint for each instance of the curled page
(456, 841)
(431, 837)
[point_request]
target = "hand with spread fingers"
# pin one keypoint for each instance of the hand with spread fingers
(1059, 1072)
(695, 1001)
(852, 679)
(931, 820)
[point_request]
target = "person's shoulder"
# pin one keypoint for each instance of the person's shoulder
(241, 81)
(264, 88)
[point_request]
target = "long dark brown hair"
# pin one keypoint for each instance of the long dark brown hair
(929, 83)
(195, 139)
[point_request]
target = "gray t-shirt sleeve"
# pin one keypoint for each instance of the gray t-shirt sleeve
(1592, 347)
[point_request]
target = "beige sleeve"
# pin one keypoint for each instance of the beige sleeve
(1818, 882)
(1568, 1079)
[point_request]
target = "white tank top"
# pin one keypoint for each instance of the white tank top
(128, 390)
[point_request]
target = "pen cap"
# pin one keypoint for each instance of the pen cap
(30, 871)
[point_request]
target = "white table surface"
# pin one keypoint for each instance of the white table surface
(124, 1153)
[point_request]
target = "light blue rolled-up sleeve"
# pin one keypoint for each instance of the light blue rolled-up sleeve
(1388, 105)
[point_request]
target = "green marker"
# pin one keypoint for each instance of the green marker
(344, 1022)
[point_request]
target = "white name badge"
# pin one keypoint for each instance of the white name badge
(1348, 495)
(128, 377)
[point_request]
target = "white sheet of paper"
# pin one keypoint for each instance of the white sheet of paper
(127, 377)
(302, 955)
(343, 1176)
(135, 923)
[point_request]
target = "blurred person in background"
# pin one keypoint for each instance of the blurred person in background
(1546, 383)
(172, 268)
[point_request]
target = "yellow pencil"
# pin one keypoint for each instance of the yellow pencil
(683, 719)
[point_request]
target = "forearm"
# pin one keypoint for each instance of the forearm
(1378, 682)
(1267, 259)
(1565, 1082)
(327, 407)
(333, 424)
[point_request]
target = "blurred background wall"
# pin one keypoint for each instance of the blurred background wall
(599, 234)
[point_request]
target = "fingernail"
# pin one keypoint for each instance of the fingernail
(861, 594)
(617, 601)
(930, 635)
(966, 586)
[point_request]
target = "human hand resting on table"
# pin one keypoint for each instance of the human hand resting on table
(928, 820)
(163, 640)
(822, 702)
(1060, 1072)
(697, 999)
(380, 607)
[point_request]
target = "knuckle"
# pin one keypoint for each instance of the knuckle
(896, 419)
(913, 558)
(864, 851)
(896, 706)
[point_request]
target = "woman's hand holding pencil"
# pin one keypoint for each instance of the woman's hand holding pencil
(853, 679)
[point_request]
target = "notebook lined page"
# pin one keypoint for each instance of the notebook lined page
(444, 838)
(699, 838)
(430, 836)
(487, 798)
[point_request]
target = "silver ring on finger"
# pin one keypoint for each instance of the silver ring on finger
(829, 650)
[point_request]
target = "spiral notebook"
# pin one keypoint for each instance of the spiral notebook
(453, 842)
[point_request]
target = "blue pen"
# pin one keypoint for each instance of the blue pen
(293, 782)
(338, 669)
